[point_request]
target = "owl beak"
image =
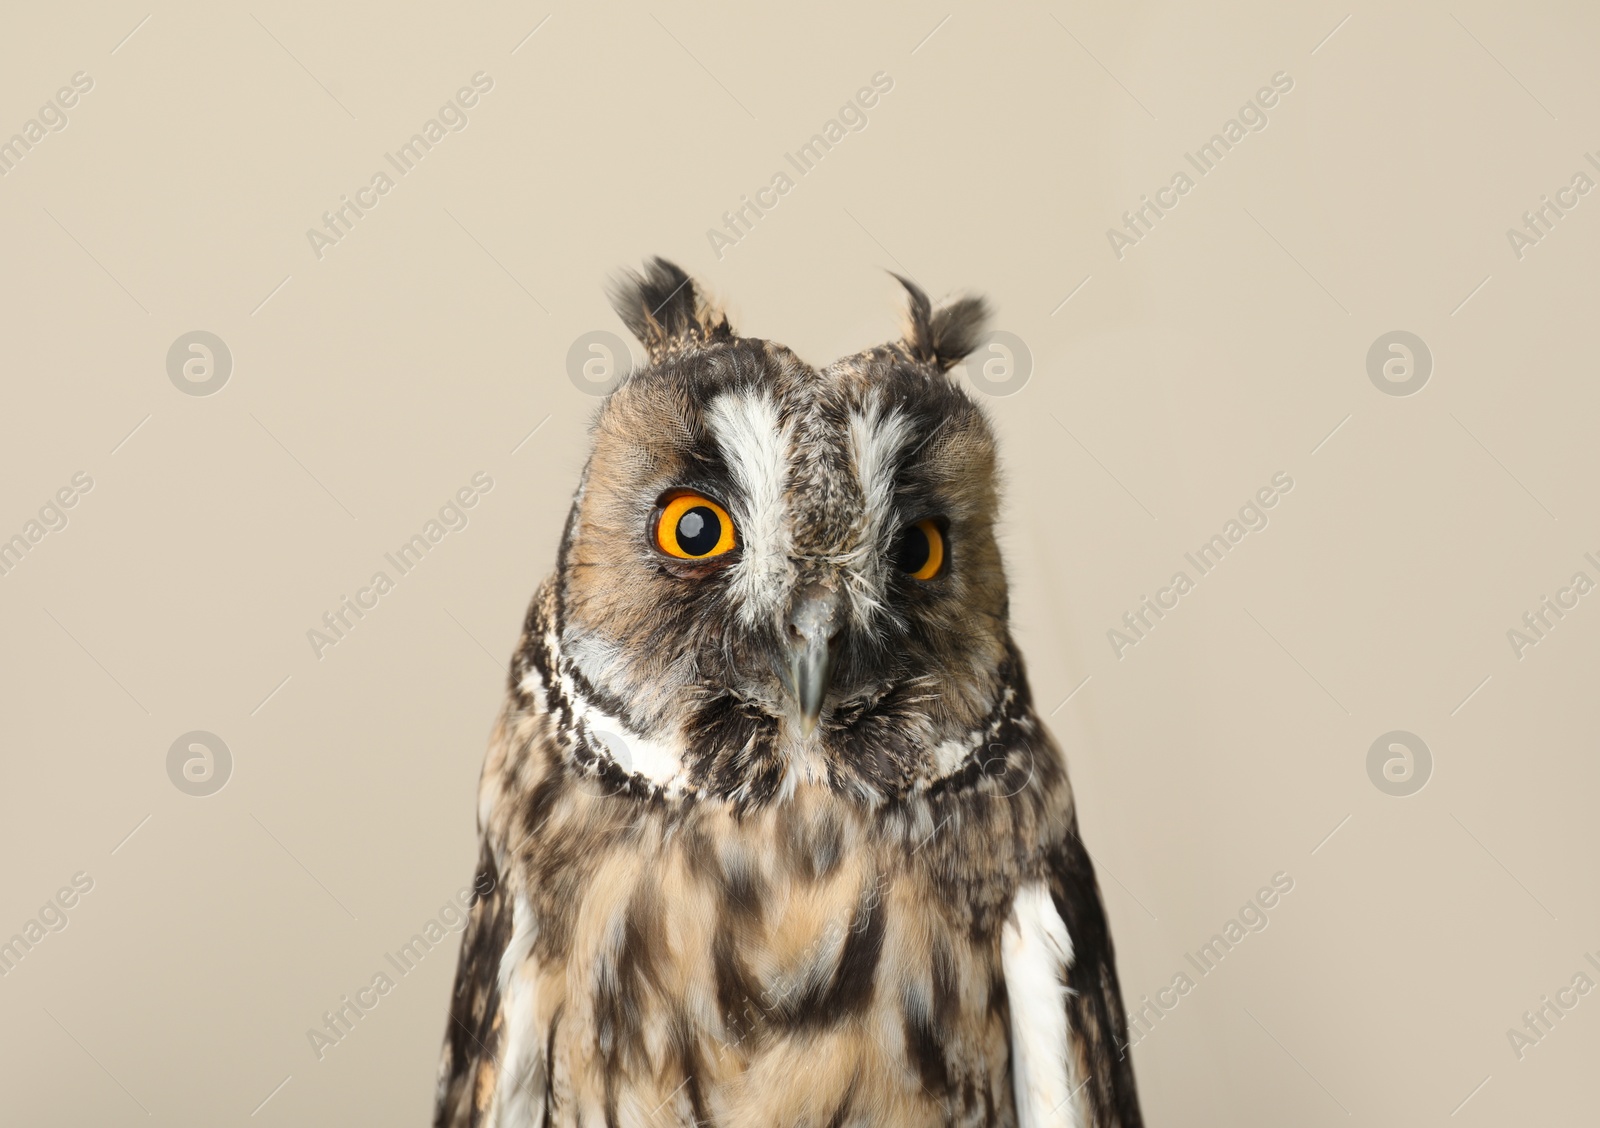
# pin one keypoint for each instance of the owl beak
(814, 625)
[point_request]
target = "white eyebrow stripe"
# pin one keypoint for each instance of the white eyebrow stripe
(756, 445)
(876, 439)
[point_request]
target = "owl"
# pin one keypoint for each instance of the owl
(771, 835)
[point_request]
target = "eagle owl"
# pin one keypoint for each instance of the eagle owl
(771, 834)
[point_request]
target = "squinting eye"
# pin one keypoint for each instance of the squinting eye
(919, 551)
(693, 527)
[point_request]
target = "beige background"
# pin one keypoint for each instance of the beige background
(1228, 745)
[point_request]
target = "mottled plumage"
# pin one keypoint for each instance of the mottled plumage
(774, 835)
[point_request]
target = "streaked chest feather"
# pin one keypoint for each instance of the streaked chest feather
(791, 968)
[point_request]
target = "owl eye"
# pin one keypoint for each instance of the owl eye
(919, 550)
(693, 527)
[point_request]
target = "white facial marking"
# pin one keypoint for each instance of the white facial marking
(659, 761)
(1035, 952)
(756, 448)
(876, 439)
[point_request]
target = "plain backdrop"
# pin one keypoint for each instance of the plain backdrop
(373, 378)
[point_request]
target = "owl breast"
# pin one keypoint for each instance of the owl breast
(790, 967)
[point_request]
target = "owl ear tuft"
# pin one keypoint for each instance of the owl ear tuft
(663, 309)
(942, 337)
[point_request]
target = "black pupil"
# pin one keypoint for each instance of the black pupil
(913, 550)
(699, 530)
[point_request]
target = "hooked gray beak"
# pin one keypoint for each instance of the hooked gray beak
(815, 621)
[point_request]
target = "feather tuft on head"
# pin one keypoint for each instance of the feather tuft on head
(663, 308)
(942, 337)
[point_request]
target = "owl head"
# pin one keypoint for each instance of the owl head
(774, 572)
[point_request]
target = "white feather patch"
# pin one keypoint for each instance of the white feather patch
(1035, 953)
(950, 755)
(659, 761)
(875, 441)
(756, 447)
(875, 438)
(519, 1090)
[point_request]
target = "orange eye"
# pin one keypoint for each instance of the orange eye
(693, 527)
(919, 551)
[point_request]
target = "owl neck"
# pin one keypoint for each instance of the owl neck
(882, 750)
